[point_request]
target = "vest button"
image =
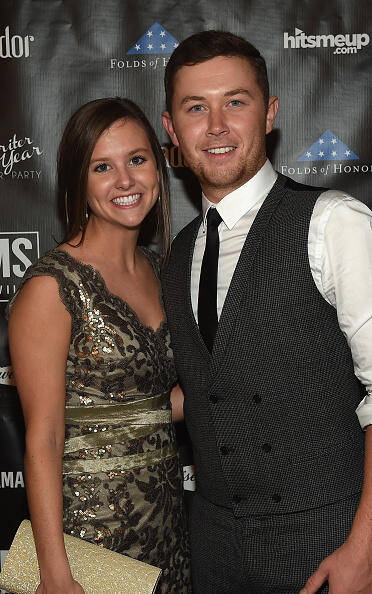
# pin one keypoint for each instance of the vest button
(224, 450)
(276, 497)
(257, 398)
(213, 398)
(266, 447)
(236, 499)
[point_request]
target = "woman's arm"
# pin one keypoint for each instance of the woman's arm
(39, 338)
(177, 404)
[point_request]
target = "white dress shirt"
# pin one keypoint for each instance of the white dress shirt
(340, 258)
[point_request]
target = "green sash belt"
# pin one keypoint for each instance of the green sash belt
(119, 463)
(115, 413)
(135, 419)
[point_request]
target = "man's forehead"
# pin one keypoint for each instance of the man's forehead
(218, 63)
(223, 73)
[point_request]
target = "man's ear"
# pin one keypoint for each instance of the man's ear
(168, 125)
(272, 110)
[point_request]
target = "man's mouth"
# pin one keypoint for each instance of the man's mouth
(221, 150)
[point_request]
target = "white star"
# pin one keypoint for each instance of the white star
(321, 141)
(334, 141)
(138, 47)
(308, 154)
(347, 153)
(149, 46)
(175, 44)
(163, 46)
(162, 33)
(334, 153)
(321, 154)
(149, 33)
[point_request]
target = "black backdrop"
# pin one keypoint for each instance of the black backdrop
(57, 54)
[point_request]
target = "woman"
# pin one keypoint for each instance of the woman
(92, 359)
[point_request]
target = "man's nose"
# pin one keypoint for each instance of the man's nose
(217, 123)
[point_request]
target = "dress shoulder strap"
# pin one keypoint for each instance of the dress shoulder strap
(57, 264)
(155, 259)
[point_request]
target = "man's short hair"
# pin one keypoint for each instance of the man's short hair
(206, 45)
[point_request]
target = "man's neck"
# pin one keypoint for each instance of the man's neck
(215, 194)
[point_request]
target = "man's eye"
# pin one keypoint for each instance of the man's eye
(137, 160)
(235, 102)
(196, 108)
(101, 167)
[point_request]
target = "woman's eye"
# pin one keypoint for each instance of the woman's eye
(101, 167)
(137, 160)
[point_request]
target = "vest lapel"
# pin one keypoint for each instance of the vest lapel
(240, 277)
(185, 274)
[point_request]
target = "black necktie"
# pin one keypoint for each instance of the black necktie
(207, 302)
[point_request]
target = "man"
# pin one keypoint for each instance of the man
(268, 300)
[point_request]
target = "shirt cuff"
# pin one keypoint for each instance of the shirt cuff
(364, 411)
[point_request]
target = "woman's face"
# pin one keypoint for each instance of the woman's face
(122, 184)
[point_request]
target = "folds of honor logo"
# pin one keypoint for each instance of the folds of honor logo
(157, 42)
(327, 156)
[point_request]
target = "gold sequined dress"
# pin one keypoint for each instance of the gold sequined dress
(122, 484)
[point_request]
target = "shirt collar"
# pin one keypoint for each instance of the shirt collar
(235, 205)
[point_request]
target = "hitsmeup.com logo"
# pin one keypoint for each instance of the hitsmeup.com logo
(348, 43)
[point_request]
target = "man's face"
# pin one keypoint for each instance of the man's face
(220, 122)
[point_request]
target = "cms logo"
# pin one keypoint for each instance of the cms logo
(17, 252)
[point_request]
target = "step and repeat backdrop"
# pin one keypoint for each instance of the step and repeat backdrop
(57, 54)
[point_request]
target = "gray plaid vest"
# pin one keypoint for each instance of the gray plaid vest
(271, 413)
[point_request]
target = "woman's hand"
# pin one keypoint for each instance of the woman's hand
(177, 404)
(72, 587)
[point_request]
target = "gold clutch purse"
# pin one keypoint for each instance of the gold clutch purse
(98, 570)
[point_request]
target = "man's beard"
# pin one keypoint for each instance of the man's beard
(222, 178)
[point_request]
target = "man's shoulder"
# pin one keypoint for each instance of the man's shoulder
(180, 251)
(187, 233)
(293, 186)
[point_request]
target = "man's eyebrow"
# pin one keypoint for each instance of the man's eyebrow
(238, 92)
(188, 98)
(191, 98)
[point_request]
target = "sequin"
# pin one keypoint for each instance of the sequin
(100, 536)
(85, 400)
